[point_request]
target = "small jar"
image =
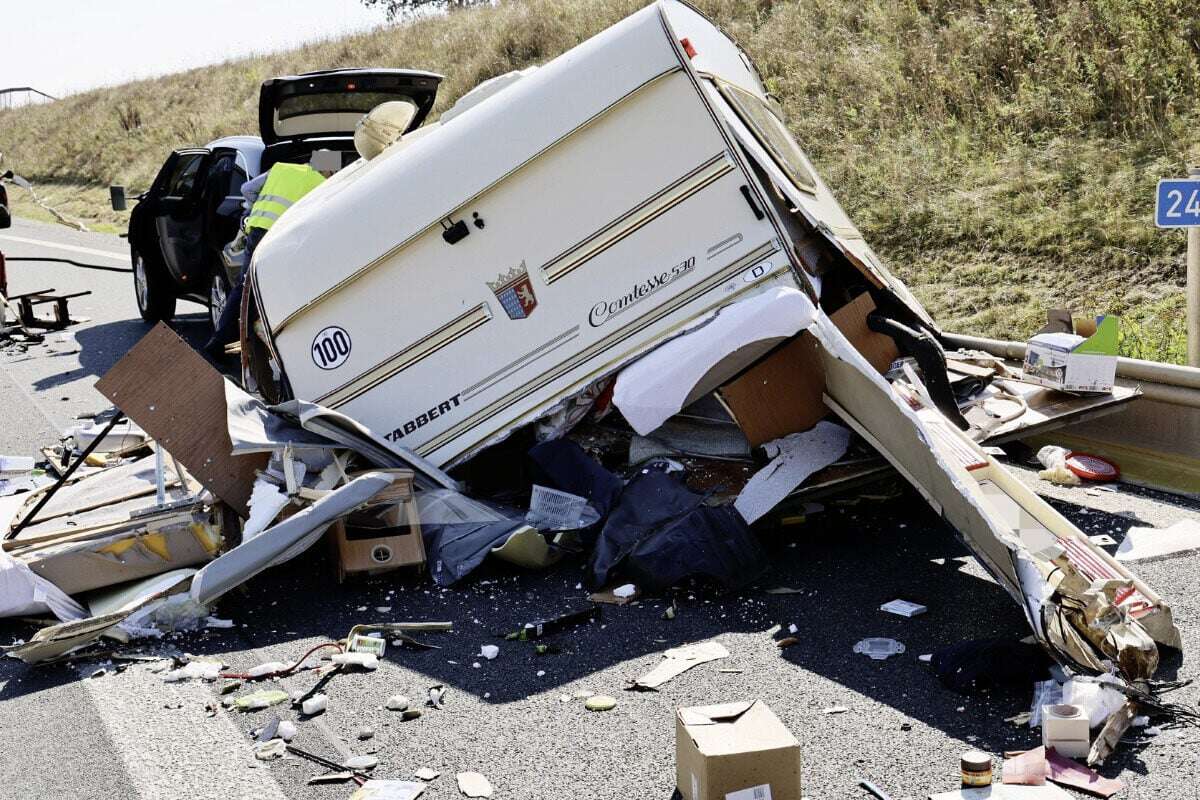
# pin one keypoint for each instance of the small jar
(976, 769)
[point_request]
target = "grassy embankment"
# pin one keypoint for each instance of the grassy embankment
(1000, 154)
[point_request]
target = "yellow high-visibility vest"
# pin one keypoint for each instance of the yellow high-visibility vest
(285, 185)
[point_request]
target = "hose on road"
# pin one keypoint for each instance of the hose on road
(10, 259)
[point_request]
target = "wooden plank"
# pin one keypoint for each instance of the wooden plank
(176, 396)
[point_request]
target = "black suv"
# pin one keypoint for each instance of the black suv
(191, 211)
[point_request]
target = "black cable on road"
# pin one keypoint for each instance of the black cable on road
(10, 259)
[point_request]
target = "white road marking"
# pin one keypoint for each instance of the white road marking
(169, 752)
(90, 251)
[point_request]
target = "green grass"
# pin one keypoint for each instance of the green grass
(1001, 155)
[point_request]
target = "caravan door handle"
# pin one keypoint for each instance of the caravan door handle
(758, 212)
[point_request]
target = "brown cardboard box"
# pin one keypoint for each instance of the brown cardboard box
(735, 751)
(781, 394)
(385, 535)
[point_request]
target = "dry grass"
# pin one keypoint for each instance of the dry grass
(1000, 154)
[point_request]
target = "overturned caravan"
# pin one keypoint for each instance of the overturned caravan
(562, 223)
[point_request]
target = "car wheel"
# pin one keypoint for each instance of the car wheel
(218, 296)
(154, 300)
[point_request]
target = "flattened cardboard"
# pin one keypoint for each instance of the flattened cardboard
(168, 389)
(735, 750)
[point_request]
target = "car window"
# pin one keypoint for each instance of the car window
(769, 129)
(183, 179)
(334, 103)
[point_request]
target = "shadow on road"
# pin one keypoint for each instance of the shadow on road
(101, 346)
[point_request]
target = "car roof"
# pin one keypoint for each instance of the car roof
(412, 73)
(249, 148)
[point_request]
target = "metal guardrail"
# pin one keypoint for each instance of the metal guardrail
(1168, 383)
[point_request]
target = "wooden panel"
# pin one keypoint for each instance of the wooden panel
(780, 394)
(177, 397)
(851, 320)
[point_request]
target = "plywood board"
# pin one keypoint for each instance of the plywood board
(177, 397)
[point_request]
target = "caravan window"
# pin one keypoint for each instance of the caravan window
(769, 129)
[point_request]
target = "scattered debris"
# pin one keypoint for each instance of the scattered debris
(1054, 459)
(263, 698)
(270, 750)
(835, 710)
(878, 648)
(358, 763)
(472, 784)
(436, 696)
(330, 777)
(678, 660)
(376, 789)
(426, 774)
(397, 702)
(600, 702)
(1065, 728)
(976, 768)
(315, 705)
(903, 608)
(1147, 544)
(489, 651)
(1026, 769)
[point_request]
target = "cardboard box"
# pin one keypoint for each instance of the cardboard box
(1060, 357)
(735, 751)
(385, 535)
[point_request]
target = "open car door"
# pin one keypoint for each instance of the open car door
(179, 216)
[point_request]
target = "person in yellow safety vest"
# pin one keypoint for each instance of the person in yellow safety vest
(282, 188)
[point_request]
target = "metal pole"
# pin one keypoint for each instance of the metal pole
(87, 451)
(1193, 289)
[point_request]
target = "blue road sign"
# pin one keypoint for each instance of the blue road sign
(1177, 204)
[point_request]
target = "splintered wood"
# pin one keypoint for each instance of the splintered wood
(176, 396)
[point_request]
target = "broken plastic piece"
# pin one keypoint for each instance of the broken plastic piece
(554, 510)
(878, 648)
(270, 750)
(903, 608)
(264, 698)
(361, 762)
(286, 730)
(201, 670)
(625, 592)
(489, 651)
(472, 784)
(376, 789)
(268, 668)
(367, 661)
(315, 704)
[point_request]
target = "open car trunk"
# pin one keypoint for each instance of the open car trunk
(318, 110)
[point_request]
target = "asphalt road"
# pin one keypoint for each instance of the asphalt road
(129, 735)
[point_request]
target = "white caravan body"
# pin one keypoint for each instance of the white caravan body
(597, 205)
(561, 224)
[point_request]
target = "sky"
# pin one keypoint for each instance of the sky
(65, 46)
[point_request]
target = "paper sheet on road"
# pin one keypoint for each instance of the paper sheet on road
(679, 660)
